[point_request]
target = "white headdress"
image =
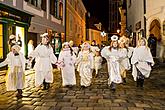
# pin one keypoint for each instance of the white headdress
(44, 34)
(85, 43)
(16, 47)
(114, 38)
(97, 49)
(12, 36)
(65, 43)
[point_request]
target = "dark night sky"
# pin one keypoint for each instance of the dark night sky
(99, 9)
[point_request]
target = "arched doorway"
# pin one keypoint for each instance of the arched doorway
(155, 29)
(155, 35)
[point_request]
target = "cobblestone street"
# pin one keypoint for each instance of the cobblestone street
(96, 97)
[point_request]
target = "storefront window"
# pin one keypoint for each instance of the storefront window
(1, 41)
(20, 32)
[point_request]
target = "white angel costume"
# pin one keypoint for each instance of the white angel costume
(66, 62)
(141, 60)
(43, 67)
(85, 63)
(93, 49)
(97, 62)
(15, 77)
(75, 50)
(112, 58)
(124, 63)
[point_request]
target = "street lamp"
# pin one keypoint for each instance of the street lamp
(118, 31)
(103, 34)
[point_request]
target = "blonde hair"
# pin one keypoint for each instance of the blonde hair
(85, 43)
(64, 44)
(111, 44)
(140, 43)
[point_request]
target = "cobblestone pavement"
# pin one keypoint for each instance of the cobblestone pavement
(96, 97)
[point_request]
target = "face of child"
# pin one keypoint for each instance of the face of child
(86, 47)
(14, 51)
(66, 46)
(45, 40)
(142, 42)
(97, 53)
(93, 43)
(115, 44)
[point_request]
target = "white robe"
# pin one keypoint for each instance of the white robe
(97, 63)
(93, 49)
(67, 67)
(140, 58)
(130, 51)
(105, 55)
(43, 67)
(85, 62)
(113, 58)
(75, 50)
(125, 64)
(15, 75)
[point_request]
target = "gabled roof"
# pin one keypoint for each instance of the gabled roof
(91, 23)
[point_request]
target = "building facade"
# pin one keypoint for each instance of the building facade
(146, 17)
(97, 35)
(95, 31)
(46, 16)
(114, 16)
(135, 19)
(75, 21)
(122, 10)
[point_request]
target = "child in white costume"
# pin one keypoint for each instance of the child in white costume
(16, 67)
(85, 62)
(142, 61)
(44, 56)
(74, 48)
(124, 63)
(97, 61)
(66, 61)
(113, 56)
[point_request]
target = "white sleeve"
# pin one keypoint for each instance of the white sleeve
(60, 57)
(34, 53)
(5, 62)
(53, 58)
(79, 58)
(91, 61)
(134, 58)
(74, 58)
(104, 52)
(123, 53)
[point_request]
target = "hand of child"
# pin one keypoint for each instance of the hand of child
(30, 58)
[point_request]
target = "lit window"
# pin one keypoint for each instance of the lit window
(1, 41)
